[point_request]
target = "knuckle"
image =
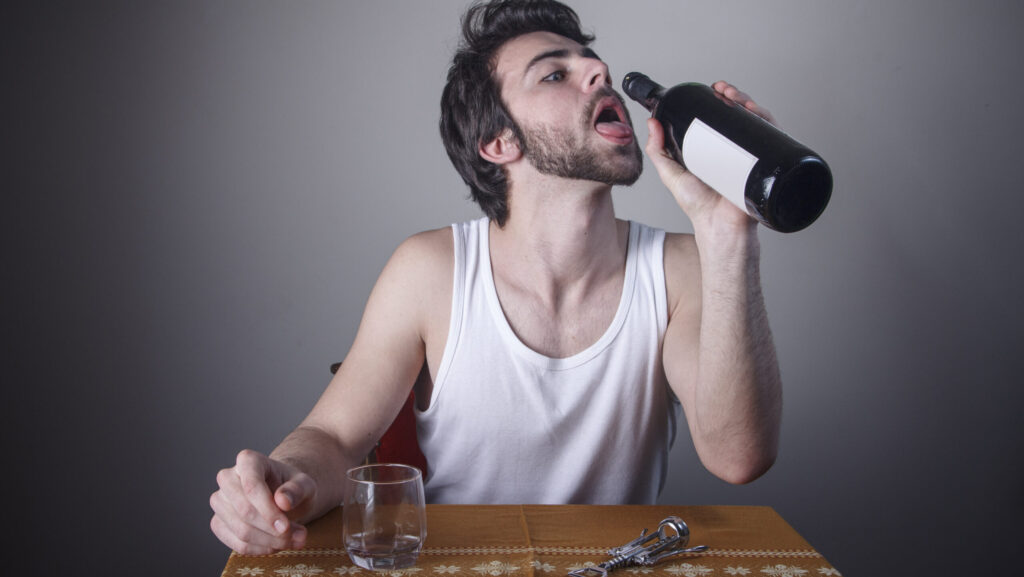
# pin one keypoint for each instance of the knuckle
(247, 512)
(249, 549)
(247, 458)
(245, 533)
(223, 476)
(304, 481)
(250, 486)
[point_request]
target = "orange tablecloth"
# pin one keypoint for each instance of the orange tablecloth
(551, 540)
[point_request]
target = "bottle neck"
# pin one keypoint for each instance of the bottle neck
(643, 90)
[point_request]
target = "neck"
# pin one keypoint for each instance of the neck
(561, 235)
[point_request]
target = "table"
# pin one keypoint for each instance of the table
(551, 540)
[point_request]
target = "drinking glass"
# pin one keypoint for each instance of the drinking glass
(384, 518)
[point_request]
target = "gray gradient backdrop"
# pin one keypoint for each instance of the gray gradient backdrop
(198, 197)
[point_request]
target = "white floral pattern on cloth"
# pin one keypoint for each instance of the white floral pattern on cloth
(300, 570)
(496, 568)
(542, 561)
(688, 570)
(503, 568)
(580, 566)
(544, 567)
(784, 571)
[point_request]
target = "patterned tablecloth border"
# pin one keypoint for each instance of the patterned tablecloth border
(587, 551)
(252, 567)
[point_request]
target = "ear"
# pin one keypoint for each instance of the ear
(502, 149)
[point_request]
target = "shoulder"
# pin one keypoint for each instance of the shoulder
(416, 283)
(682, 270)
(422, 261)
(426, 249)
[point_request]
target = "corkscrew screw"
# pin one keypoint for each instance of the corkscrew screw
(669, 540)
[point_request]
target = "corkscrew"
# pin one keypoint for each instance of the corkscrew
(669, 540)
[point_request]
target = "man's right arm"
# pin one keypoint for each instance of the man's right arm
(263, 502)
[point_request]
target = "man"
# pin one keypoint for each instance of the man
(550, 345)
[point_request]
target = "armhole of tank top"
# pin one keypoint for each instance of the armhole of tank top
(661, 300)
(660, 290)
(455, 322)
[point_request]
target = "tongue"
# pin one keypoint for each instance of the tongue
(614, 129)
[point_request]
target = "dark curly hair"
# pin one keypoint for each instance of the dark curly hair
(472, 112)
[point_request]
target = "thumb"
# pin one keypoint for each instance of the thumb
(295, 492)
(655, 134)
(670, 171)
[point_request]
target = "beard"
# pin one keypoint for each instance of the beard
(566, 153)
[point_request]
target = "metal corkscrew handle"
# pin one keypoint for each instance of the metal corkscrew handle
(646, 550)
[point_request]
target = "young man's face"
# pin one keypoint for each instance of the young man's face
(573, 122)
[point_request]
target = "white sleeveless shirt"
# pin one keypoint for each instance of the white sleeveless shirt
(506, 424)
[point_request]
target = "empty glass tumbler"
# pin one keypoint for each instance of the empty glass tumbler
(385, 520)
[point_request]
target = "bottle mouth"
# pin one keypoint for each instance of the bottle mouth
(801, 195)
(638, 86)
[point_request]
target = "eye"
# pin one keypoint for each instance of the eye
(556, 76)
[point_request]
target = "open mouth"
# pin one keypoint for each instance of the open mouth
(610, 121)
(608, 115)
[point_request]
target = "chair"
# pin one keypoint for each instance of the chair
(399, 443)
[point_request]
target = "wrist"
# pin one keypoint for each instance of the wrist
(727, 237)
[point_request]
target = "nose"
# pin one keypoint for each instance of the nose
(597, 76)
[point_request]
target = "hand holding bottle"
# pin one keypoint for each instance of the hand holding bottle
(701, 204)
(725, 139)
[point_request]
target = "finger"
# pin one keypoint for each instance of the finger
(668, 169)
(684, 186)
(298, 533)
(689, 191)
(252, 469)
(295, 492)
(228, 537)
(655, 136)
(233, 496)
(730, 92)
(760, 111)
(241, 536)
(655, 147)
(743, 99)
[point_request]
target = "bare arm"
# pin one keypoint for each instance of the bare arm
(719, 356)
(263, 502)
(371, 384)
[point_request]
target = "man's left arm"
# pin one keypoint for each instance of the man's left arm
(718, 353)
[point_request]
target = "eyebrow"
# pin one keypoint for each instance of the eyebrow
(559, 53)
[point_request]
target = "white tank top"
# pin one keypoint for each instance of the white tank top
(506, 424)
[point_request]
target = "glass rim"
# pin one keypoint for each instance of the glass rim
(415, 475)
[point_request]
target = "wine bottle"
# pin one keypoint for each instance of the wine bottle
(773, 178)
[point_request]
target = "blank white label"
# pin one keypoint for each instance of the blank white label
(719, 162)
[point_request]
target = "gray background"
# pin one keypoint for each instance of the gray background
(198, 197)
